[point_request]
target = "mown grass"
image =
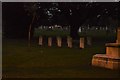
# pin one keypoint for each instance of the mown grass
(19, 61)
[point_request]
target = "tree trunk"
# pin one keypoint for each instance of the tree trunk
(29, 32)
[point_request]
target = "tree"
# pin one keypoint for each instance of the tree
(31, 9)
(73, 14)
(14, 20)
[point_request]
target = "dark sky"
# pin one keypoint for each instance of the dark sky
(16, 21)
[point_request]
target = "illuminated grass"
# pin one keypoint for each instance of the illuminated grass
(45, 62)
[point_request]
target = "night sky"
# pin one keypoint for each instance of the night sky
(16, 20)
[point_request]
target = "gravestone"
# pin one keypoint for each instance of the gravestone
(118, 36)
(111, 59)
(89, 41)
(82, 43)
(59, 41)
(69, 42)
(49, 41)
(40, 41)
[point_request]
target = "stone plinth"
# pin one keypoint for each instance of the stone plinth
(113, 50)
(105, 61)
(111, 59)
(81, 42)
(118, 35)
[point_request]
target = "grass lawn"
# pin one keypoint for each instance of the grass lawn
(19, 61)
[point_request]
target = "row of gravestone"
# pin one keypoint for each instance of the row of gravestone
(109, 60)
(69, 41)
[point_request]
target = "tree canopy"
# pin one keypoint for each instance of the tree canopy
(74, 14)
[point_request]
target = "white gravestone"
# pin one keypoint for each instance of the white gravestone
(89, 41)
(59, 41)
(40, 40)
(81, 42)
(69, 42)
(49, 41)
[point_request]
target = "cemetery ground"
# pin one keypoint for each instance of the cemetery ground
(19, 61)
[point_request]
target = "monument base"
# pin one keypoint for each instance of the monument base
(102, 60)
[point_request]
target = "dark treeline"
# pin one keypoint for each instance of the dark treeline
(16, 20)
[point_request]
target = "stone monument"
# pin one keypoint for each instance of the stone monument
(111, 59)
(82, 42)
